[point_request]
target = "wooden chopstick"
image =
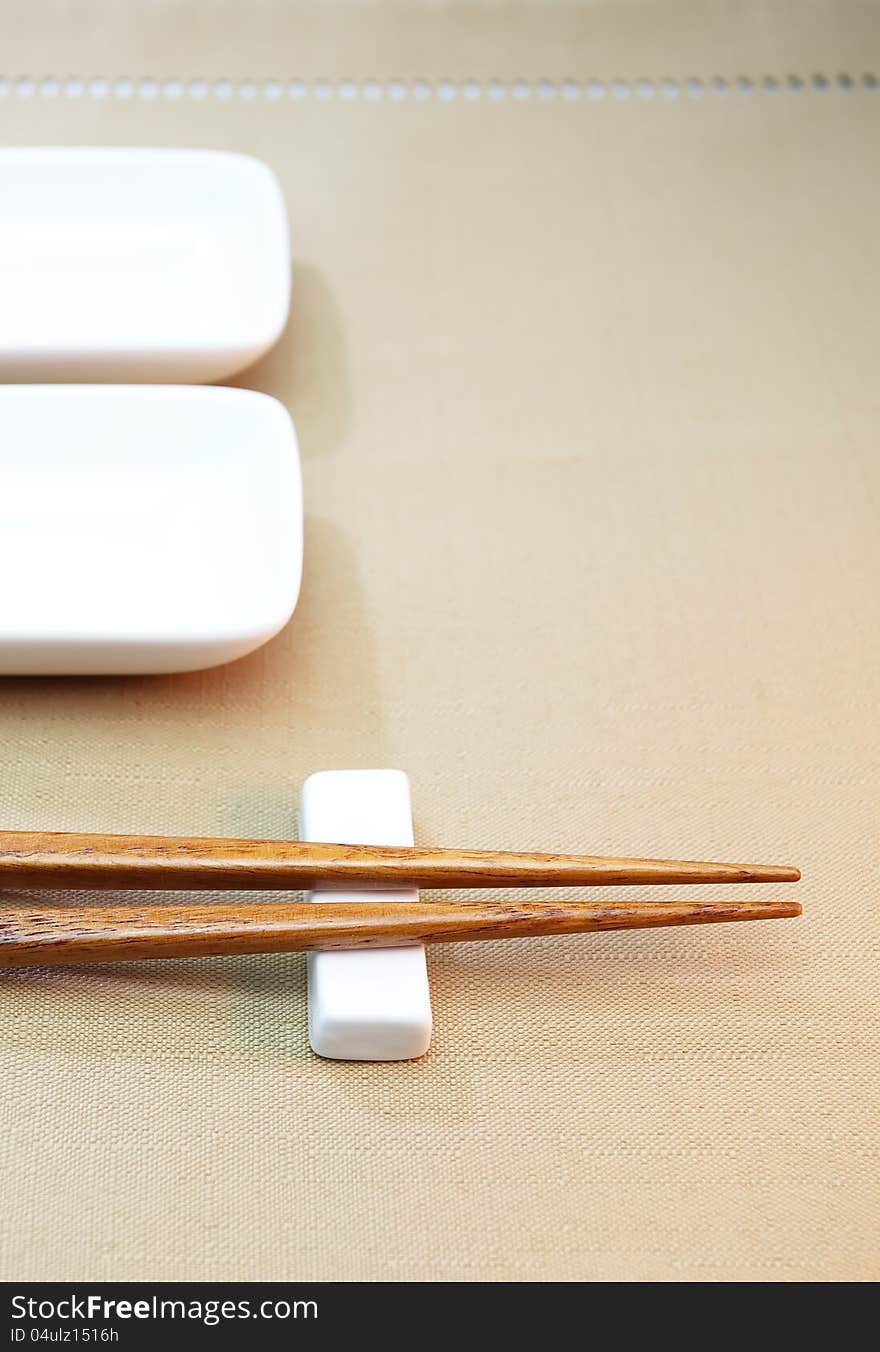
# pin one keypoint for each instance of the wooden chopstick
(75, 934)
(36, 859)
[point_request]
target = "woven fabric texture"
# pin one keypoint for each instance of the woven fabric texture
(587, 397)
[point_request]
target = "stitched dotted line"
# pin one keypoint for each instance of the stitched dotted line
(445, 91)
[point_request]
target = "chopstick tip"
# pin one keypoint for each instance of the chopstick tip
(774, 873)
(784, 910)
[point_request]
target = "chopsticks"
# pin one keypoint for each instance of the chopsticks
(74, 934)
(70, 934)
(38, 859)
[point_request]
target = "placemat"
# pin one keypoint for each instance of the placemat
(583, 359)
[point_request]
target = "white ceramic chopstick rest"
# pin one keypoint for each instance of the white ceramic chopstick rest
(373, 1005)
(144, 528)
(124, 264)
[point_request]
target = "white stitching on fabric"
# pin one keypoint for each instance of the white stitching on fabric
(149, 89)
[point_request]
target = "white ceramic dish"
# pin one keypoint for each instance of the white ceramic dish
(138, 264)
(144, 529)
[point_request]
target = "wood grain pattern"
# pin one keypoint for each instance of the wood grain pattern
(36, 859)
(77, 934)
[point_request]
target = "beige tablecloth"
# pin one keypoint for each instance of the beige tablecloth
(586, 380)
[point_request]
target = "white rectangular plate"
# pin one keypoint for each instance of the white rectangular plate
(138, 264)
(144, 529)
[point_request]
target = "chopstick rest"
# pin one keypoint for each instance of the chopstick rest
(375, 1005)
(144, 528)
(132, 264)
